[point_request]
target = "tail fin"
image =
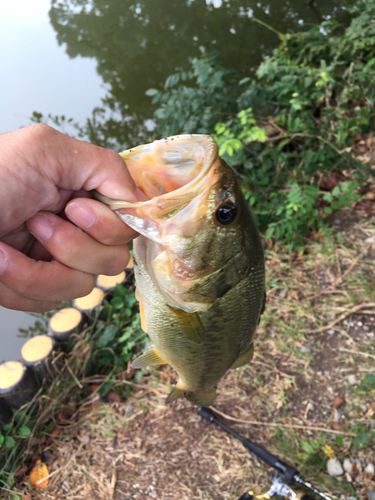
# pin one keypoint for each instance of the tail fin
(197, 398)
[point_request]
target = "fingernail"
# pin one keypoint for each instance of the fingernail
(3, 262)
(40, 227)
(82, 216)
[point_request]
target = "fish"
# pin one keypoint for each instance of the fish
(198, 262)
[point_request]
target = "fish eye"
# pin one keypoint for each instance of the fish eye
(226, 213)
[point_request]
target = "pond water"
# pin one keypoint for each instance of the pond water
(69, 57)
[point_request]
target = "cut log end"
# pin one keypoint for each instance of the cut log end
(90, 301)
(108, 283)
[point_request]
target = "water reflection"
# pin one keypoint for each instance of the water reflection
(137, 44)
(17, 326)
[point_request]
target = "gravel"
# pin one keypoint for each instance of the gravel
(334, 467)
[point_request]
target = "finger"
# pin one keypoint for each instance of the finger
(73, 164)
(13, 300)
(38, 280)
(99, 221)
(39, 252)
(76, 249)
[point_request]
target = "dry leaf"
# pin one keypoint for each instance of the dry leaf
(48, 458)
(338, 401)
(329, 451)
(113, 396)
(21, 471)
(40, 471)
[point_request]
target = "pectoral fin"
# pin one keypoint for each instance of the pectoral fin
(245, 358)
(141, 310)
(149, 358)
(190, 324)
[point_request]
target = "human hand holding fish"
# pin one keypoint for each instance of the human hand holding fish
(53, 237)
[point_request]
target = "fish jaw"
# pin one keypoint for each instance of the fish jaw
(172, 164)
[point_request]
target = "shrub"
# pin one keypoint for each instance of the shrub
(289, 127)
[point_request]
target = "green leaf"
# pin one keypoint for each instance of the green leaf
(363, 438)
(344, 186)
(340, 238)
(339, 441)
(269, 233)
(24, 431)
(9, 442)
(108, 336)
(151, 92)
(117, 302)
(336, 191)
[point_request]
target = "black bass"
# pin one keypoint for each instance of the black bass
(199, 262)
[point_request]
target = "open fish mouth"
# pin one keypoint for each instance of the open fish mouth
(169, 169)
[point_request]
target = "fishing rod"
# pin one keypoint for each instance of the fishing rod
(290, 474)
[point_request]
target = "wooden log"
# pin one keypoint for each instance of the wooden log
(108, 283)
(18, 385)
(37, 354)
(63, 323)
(91, 304)
(5, 413)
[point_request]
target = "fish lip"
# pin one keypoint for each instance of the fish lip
(212, 155)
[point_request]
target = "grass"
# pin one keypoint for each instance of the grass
(318, 330)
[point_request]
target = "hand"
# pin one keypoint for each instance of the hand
(47, 256)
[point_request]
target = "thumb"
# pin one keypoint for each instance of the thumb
(75, 165)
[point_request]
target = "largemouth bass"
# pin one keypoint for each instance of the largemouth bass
(199, 262)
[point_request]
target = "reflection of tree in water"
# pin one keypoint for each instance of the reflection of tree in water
(138, 44)
(40, 326)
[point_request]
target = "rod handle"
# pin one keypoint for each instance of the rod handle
(206, 414)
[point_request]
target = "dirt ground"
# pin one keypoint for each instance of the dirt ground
(315, 344)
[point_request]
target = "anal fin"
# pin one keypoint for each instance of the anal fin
(190, 324)
(149, 358)
(244, 358)
(175, 394)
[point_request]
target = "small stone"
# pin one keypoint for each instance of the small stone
(334, 467)
(336, 415)
(359, 323)
(128, 409)
(371, 495)
(347, 465)
(348, 477)
(358, 464)
(370, 469)
(304, 350)
(366, 328)
(331, 331)
(351, 379)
